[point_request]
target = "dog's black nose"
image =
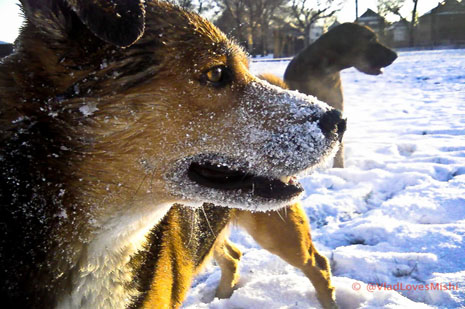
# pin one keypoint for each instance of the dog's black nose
(333, 122)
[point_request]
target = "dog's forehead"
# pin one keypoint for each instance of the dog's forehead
(174, 24)
(192, 37)
(188, 33)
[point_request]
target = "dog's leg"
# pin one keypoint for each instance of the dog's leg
(339, 157)
(286, 233)
(227, 255)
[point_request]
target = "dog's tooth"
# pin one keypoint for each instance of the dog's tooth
(285, 179)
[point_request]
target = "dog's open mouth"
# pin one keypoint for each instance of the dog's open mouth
(371, 69)
(223, 178)
(376, 70)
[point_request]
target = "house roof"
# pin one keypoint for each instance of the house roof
(448, 7)
(370, 13)
(401, 24)
(335, 24)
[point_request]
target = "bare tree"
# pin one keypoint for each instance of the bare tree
(394, 7)
(233, 19)
(308, 12)
(250, 21)
(261, 14)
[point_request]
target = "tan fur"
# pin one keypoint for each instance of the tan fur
(286, 233)
(227, 255)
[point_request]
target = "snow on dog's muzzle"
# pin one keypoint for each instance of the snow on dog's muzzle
(256, 149)
(290, 132)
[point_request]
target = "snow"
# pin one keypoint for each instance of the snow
(393, 221)
(88, 109)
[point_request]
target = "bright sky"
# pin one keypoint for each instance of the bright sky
(10, 19)
(348, 11)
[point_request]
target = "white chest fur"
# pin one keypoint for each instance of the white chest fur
(103, 274)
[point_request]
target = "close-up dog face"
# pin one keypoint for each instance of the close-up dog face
(224, 136)
(177, 115)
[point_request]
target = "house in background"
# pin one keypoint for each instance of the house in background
(443, 25)
(334, 24)
(375, 22)
(397, 35)
(316, 31)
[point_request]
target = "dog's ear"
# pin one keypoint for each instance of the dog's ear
(118, 22)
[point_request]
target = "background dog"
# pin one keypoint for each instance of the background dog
(111, 112)
(315, 70)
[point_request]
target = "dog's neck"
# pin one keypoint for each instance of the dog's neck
(103, 276)
(315, 71)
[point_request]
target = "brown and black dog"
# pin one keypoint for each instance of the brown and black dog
(315, 70)
(110, 113)
(286, 233)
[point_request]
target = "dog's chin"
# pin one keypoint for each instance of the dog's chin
(370, 70)
(233, 186)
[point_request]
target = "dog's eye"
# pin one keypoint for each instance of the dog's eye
(217, 76)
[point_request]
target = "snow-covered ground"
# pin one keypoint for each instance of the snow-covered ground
(395, 217)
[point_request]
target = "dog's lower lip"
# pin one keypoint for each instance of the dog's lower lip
(223, 178)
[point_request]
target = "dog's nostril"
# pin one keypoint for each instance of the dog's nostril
(332, 121)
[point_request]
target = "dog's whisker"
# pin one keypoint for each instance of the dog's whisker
(152, 175)
(192, 228)
(208, 221)
(139, 187)
(280, 216)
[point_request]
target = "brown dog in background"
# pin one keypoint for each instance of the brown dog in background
(315, 70)
(286, 233)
